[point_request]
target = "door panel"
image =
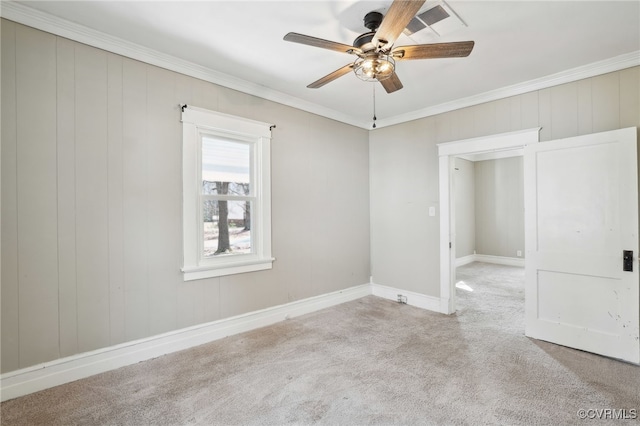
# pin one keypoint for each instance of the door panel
(581, 212)
(591, 301)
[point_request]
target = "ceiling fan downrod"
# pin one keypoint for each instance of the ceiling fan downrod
(372, 20)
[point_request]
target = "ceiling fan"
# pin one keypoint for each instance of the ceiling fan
(376, 55)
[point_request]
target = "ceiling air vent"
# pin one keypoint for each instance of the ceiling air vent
(439, 19)
(414, 26)
(433, 15)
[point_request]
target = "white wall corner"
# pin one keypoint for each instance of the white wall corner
(418, 300)
(49, 374)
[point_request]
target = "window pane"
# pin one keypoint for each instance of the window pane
(227, 227)
(226, 166)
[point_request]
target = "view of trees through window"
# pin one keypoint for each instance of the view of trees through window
(226, 196)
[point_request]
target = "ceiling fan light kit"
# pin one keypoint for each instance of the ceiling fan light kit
(376, 55)
(374, 68)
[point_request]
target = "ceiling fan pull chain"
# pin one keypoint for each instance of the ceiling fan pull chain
(374, 106)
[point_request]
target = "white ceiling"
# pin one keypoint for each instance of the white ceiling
(520, 45)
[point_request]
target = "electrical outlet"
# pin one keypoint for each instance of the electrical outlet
(519, 253)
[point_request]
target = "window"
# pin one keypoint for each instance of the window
(226, 194)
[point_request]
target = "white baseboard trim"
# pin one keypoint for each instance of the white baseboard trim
(487, 258)
(500, 260)
(419, 300)
(49, 374)
(465, 260)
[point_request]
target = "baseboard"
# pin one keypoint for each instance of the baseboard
(500, 260)
(465, 260)
(32, 379)
(419, 300)
(487, 258)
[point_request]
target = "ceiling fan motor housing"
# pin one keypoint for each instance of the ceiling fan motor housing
(372, 21)
(363, 41)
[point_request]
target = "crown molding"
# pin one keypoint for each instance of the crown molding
(616, 63)
(25, 15)
(22, 14)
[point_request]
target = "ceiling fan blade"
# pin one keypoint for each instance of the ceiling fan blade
(400, 13)
(458, 49)
(330, 77)
(392, 83)
(318, 42)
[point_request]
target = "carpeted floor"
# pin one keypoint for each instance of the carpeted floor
(370, 361)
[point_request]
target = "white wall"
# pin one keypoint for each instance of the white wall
(91, 202)
(464, 193)
(489, 207)
(404, 184)
(404, 163)
(499, 207)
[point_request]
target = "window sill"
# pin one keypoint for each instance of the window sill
(231, 268)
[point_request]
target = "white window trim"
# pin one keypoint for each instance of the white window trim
(198, 121)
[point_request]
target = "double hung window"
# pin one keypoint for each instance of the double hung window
(226, 194)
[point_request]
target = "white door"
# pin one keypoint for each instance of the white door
(581, 212)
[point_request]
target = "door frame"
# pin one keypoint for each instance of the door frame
(481, 148)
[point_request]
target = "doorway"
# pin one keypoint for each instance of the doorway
(489, 220)
(483, 148)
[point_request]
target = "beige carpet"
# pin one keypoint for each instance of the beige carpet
(370, 361)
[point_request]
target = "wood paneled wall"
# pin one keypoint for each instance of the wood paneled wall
(92, 202)
(405, 157)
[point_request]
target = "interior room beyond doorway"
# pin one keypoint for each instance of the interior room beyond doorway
(489, 212)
